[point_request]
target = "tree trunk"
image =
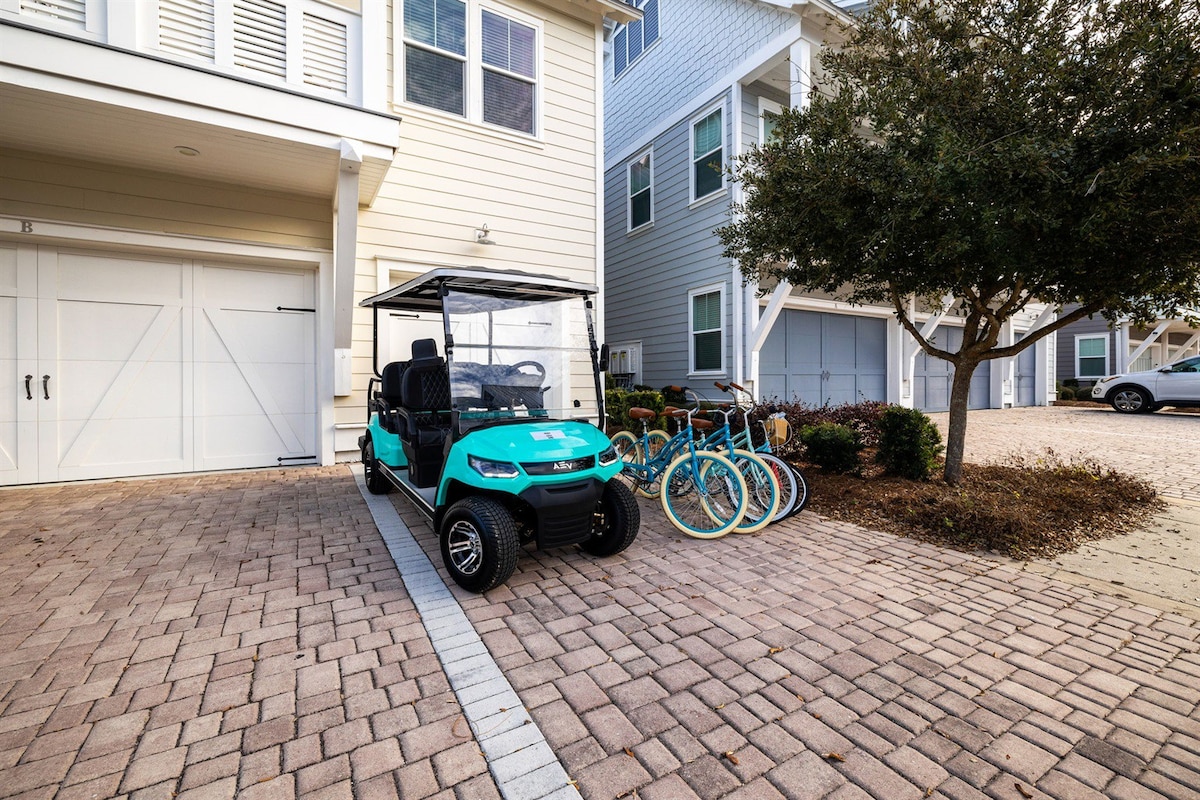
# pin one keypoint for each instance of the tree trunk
(956, 437)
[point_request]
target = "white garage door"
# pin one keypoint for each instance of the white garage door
(137, 365)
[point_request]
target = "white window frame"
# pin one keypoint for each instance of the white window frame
(473, 82)
(693, 158)
(623, 28)
(629, 226)
(1107, 364)
(719, 288)
(766, 106)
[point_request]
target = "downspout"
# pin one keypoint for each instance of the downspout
(738, 287)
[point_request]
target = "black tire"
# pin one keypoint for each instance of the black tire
(618, 519)
(479, 543)
(1131, 400)
(376, 483)
(802, 492)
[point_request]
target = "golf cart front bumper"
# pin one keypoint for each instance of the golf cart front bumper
(565, 512)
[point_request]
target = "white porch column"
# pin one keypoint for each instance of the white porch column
(345, 251)
(800, 71)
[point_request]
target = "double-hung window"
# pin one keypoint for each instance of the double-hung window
(1091, 356)
(630, 41)
(707, 155)
(641, 191)
(768, 115)
(706, 313)
(473, 61)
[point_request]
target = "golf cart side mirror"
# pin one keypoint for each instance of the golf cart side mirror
(603, 362)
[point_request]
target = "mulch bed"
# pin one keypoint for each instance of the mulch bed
(1025, 508)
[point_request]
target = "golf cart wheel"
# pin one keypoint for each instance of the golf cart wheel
(376, 483)
(1131, 400)
(617, 521)
(479, 543)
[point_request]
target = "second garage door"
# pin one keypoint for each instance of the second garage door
(932, 377)
(825, 359)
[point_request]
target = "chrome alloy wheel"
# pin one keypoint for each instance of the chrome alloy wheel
(1128, 400)
(465, 548)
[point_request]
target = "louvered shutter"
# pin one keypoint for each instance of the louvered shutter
(260, 36)
(620, 51)
(326, 62)
(650, 22)
(72, 13)
(187, 27)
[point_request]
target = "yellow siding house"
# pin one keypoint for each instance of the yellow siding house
(194, 194)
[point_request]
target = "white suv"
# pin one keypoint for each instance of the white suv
(1176, 384)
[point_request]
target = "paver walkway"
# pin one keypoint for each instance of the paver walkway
(248, 634)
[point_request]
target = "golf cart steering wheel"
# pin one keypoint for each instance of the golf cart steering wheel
(541, 370)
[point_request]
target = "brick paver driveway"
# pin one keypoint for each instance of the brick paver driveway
(1164, 447)
(212, 634)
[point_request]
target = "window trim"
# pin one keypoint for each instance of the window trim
(473, 82)
(623, 28)
(766, 106)
(719, 106)
(629, 226)
(719, 288)
(1107, 365)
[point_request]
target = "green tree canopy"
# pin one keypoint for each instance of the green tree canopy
(998, 152)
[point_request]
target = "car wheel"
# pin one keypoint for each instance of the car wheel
(1131, 400)
(617, 521)
(479, 543)
(376, 483)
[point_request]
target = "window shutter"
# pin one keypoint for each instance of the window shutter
(650, 22)
(635, 39)
(72, 13)
(620, 54)
(186, 27)
(260, 36)
(325, 54)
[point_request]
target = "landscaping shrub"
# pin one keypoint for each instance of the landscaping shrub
(618, 402)
(1066, 393)
(909, 443)
(832, 447)
(862, 418)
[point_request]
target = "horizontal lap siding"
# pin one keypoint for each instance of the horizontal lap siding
(33, 185)
(538, 197)
(648, 273)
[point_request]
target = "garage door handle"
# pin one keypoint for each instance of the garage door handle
(28, 387)
(46, 386)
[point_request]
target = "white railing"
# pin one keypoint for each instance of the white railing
(307, 45)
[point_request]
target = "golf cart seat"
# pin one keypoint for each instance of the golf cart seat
(387, 399)
(424, 412)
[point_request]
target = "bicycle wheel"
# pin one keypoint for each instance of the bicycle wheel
(762, 491)
(802, 495)
(630, 449)
(704, 495)
(786, 477)
(656, 440)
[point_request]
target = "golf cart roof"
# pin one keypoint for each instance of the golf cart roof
(423, 293)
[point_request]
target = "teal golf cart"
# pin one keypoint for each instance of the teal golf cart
(495, 435)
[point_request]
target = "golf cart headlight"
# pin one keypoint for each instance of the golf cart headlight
(493, 469)
(608, 457)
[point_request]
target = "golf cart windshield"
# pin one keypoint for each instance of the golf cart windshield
(517, 358)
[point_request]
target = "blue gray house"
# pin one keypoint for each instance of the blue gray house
(1091, 348)
(687, 89)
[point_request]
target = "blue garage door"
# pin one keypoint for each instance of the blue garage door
(820, 359)
(932, 377)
